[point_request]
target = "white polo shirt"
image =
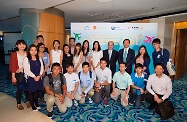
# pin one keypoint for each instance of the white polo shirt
(103, 75)
(71, 80)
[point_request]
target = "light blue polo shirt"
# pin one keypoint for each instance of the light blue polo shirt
(122, 80)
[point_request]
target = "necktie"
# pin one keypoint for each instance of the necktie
(125, 56)
(110, 54)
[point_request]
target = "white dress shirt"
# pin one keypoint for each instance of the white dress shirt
(162, 85)
(71, 80)
(103, 75)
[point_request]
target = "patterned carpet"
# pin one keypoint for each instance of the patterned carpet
(115, 112)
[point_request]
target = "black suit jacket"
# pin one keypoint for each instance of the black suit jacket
(112, 61)
(129, 59)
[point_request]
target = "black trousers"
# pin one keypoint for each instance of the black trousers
(150, 99)
(19, 78)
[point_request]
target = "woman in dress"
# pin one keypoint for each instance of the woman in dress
(45, 57)
(77, 58)
(143, 58)
(16, 68)
(96, 55)
(67, 57)
(86, 51)
(56, 54)
(33, 69)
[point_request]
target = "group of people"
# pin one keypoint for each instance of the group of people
(66, 77)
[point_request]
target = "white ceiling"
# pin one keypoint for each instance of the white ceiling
(89, 10)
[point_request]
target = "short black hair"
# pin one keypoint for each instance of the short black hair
(39, 36)
(103, 59)
(138, 65)
(69, 65)
(21, 42)
(123, 63)
(85, 63)
(156, 40)
(126, 40)
(55, 65)
(159, 64)
(72, 38)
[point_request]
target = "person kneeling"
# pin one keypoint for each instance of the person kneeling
(123, 82)
(102, 84)
(137, 91)
(86, 83)
(72, 82)
(55, 87)
(159, 87)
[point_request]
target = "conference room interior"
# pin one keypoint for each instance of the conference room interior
(24, 19)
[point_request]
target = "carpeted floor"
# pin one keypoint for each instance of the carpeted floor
(115, 112)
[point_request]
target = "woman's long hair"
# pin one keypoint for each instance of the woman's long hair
(88, 49)
(28, 52)
(99, 47)
(145, 56)
(64, 47)
(75, 50)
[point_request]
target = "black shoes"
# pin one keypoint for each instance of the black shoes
(49, 114)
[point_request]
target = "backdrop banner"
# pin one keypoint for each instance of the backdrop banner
(138, 33)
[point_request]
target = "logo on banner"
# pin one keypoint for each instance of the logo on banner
(94, 27)
(77, 36)
(86, 28)
(149, 39)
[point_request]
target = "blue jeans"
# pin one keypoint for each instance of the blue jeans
(136, 98)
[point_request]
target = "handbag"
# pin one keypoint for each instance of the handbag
(166, 109)
(170, 66)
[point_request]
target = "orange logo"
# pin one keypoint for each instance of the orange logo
(94, 27)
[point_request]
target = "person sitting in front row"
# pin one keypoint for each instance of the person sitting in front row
(102, 82)
(123, 82)
(86, 83)
(72, 82)
(137, 89)
(159, 87)
(55, 87)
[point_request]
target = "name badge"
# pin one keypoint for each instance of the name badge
(74, 80)
(88, 80)
(68, 55)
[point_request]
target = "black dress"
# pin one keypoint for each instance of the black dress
(67, 58)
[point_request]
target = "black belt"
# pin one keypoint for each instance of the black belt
(122, 89)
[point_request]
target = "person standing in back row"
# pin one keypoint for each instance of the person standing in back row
(127, 55)
(111, 57)
(72, 44)
(160, 55)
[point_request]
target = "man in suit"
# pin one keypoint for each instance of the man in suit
(127, 55)
(111, 57)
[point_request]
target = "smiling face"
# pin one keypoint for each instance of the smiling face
(85, 45)
(110, 45)
(122, 67)
(96, 46)
(56, 45)
(42, 48)
(71, 42)
(159, 70)
(142, 51)
(126, 43)
(40, 40)
(156, 46)
(33, 51)
(66, 49)
(21, 46)
(56, 70)
(70, 69)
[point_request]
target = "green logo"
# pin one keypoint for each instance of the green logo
(77, 35)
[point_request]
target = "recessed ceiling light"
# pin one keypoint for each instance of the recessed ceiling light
(104, 1)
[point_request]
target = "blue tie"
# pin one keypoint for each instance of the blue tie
(125, 56)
